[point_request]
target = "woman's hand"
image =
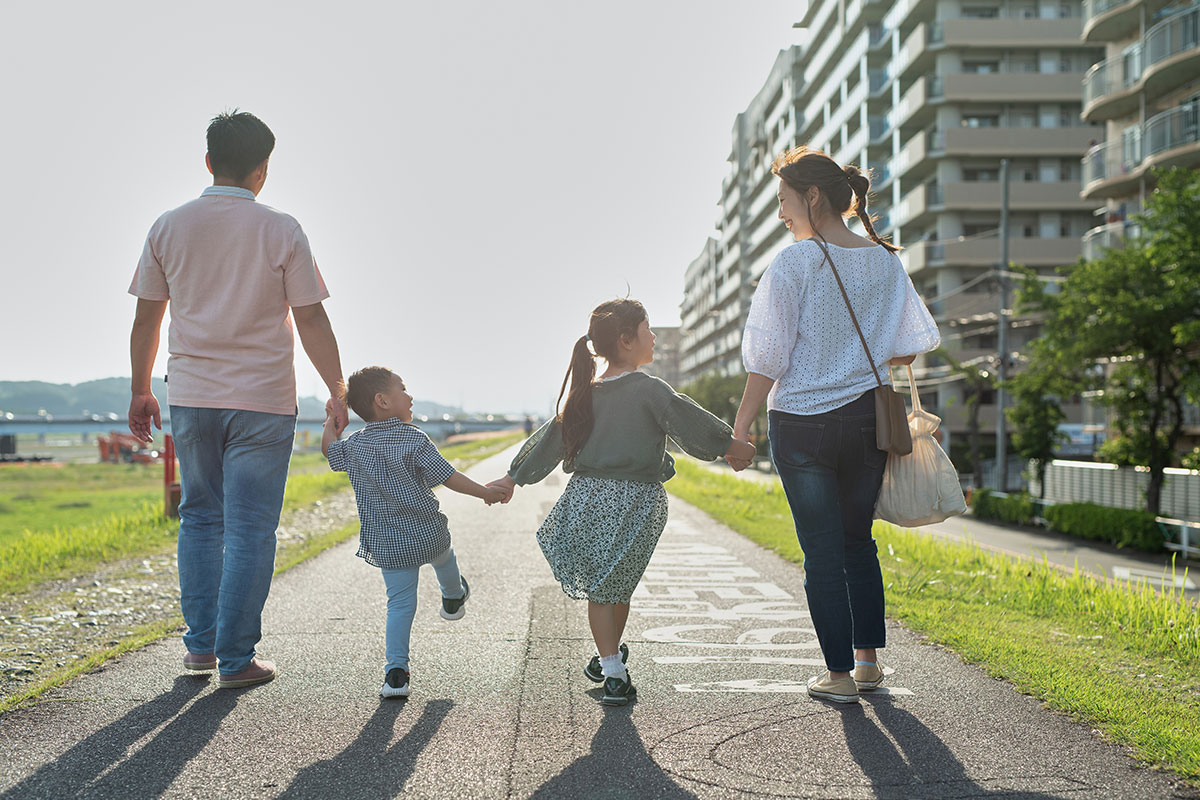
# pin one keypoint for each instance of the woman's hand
(740, 454)
(506, 485)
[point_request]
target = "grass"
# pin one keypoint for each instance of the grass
(1122, 657)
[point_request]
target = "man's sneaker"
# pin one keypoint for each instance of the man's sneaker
(593, 672)
(618, 691)
(868, 675)
(453, 607)
(839, 690)
(198, 662)
(395, 684)
(259, 671)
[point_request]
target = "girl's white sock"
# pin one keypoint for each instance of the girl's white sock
(612, 667)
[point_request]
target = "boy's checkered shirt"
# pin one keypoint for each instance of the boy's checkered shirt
(393, 467)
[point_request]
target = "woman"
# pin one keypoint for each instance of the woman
(805, 358)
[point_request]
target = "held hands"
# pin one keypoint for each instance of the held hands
(336, 410)
(505, 486)
(740, 454)
(495, 494)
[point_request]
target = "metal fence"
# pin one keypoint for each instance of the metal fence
(1121, 487)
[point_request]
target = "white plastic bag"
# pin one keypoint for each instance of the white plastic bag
(922, 487)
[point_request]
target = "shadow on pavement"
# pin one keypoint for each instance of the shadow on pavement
(616, 767)
(921, 765)
(149, 771)
(368, 767)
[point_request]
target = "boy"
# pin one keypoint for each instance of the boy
(393, 467)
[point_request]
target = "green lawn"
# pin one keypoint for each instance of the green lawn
(1124, 658)
(58, 520)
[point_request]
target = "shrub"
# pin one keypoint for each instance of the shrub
(1017, 509)
(1122, 527)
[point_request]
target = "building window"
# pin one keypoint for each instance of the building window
(980, 12)
(981, 175)
(981, 67)
(981, 121)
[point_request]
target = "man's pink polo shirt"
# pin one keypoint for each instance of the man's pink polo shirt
(232, 269)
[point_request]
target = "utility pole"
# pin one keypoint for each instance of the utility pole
(1002, 335)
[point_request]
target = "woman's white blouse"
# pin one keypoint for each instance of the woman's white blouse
(800, 334)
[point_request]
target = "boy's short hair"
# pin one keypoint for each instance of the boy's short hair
(360, 390)
(238, 142)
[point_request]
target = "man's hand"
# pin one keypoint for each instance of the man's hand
(143, 410)
(336, 410)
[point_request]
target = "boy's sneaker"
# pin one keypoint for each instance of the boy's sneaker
(395, 684)
(868, 675)
(839, 690)
(453, 607)
(618, 691)
(593, 672)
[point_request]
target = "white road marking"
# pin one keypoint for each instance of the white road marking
(767, 686)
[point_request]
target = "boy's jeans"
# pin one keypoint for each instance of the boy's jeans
(233, 467)
(402, 603)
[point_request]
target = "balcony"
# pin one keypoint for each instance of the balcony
(1104, 237)
(1168, 56)
(1171, 138)
(913, 160)
(918, 204)
(1022, 196)
(1113, 20)
(992, 33)
(1020, 87)
(1014, 142)
(915, 57)
(914, 107)
(1035, 251)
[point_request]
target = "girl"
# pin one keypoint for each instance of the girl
(802, 354)
(612, 435)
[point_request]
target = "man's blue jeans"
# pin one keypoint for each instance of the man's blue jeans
(402, 603)
(831, 471)
(233, 467)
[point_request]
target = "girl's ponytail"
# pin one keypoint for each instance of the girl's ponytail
(576, 416)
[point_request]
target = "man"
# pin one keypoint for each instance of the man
(231, 269)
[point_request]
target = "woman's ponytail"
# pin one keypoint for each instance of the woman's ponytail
(861, 185)
(576, 416)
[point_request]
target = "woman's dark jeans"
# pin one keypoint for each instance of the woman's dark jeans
(831, 472)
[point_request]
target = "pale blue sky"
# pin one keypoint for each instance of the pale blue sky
(474, 176)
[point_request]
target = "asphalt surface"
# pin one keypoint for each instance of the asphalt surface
(721, 645)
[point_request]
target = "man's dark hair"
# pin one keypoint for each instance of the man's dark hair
(238, 142)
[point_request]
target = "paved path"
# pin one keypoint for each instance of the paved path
(1065, 551)
(721, 644)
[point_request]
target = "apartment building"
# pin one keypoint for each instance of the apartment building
(719, 283)
(930, 95)
(1146, 92)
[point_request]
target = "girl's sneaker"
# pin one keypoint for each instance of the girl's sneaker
(395, 684)
(593, 672)
(618, 691)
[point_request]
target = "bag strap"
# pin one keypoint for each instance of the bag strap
(853, 318)
(912, 388)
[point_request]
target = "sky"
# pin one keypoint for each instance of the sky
(474, 177)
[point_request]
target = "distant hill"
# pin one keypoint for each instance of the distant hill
(111, 395)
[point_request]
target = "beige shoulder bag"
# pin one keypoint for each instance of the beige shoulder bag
(891, 415)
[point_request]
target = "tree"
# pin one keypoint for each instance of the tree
(721, 395)
(979, 379)
(1136, 311)
(1036, 414)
